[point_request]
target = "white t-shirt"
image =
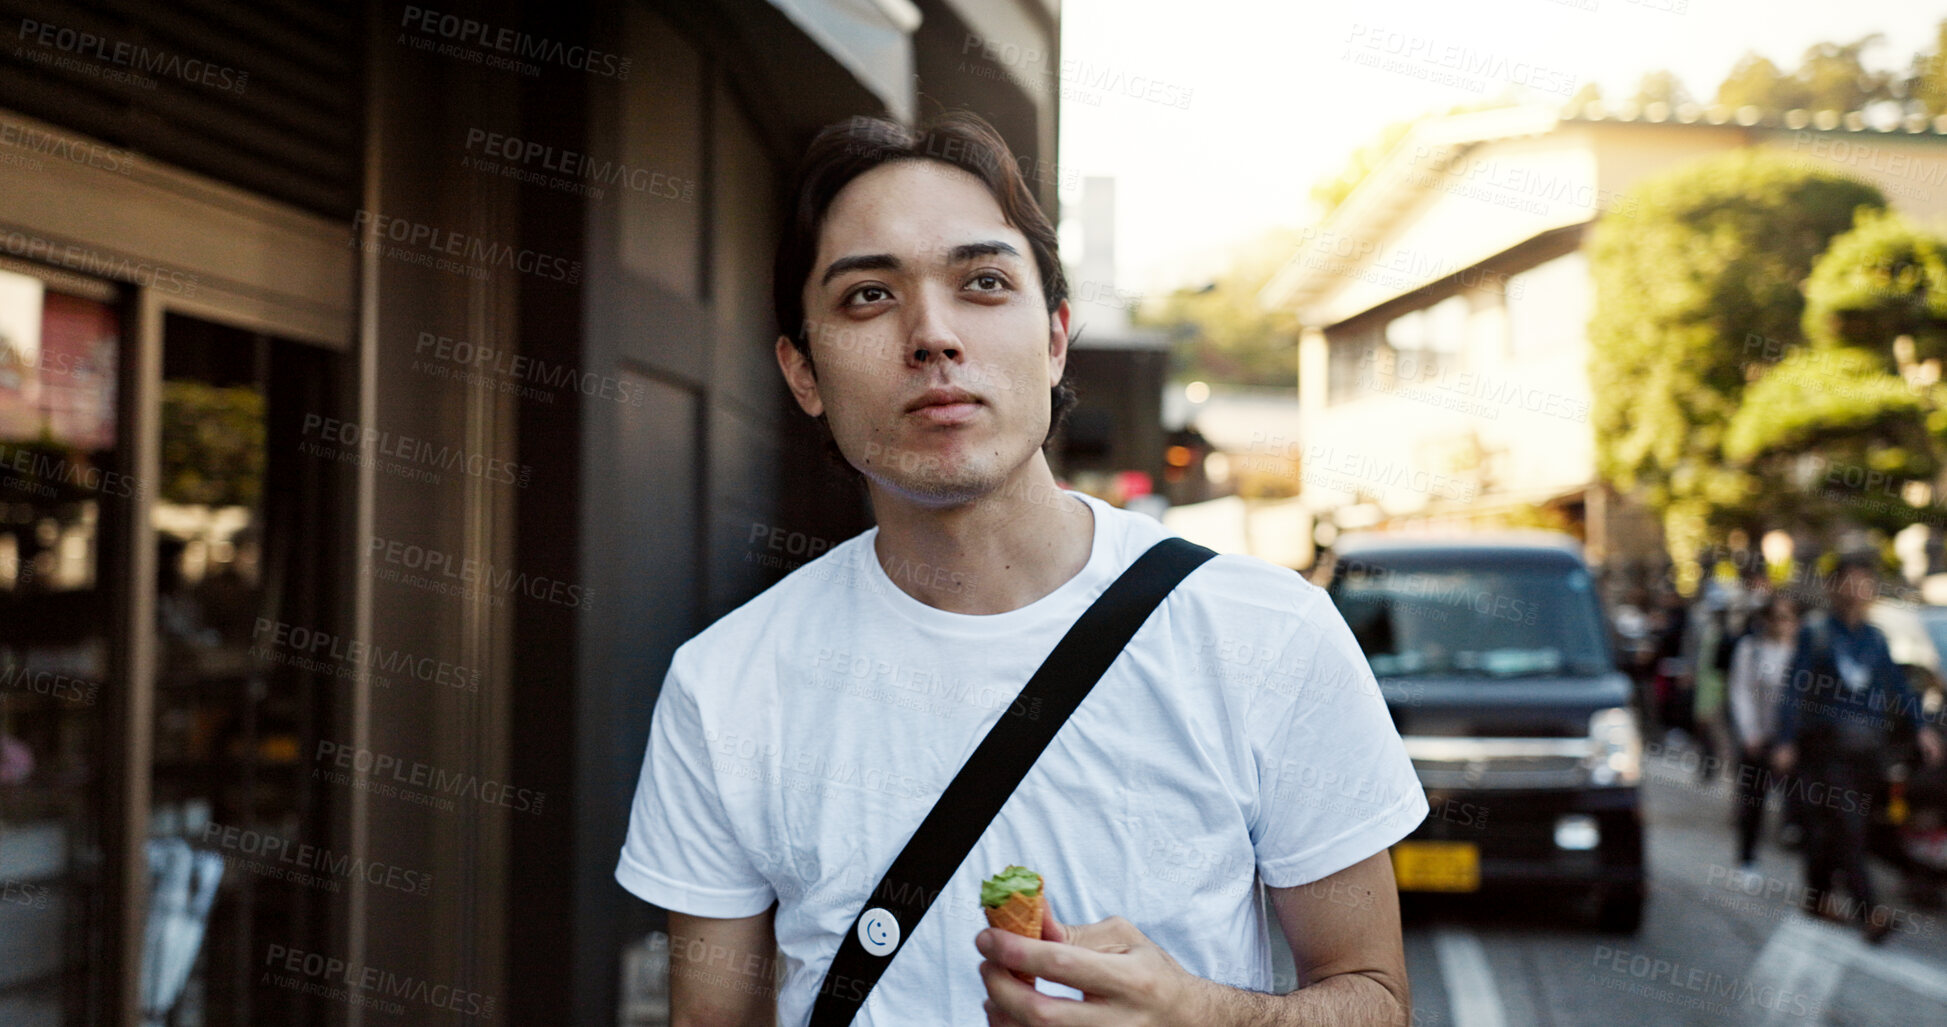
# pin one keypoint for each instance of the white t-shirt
(799, 741)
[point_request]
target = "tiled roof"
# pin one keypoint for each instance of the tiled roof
(1386, 192)
(1756, 117)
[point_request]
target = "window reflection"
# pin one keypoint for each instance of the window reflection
(60, 477)
(238, 535)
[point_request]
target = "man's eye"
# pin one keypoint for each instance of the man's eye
(868, 294)
(988, 283)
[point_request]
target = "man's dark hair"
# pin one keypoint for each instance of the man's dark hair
(1863, 561)
(848, 149)
(1856, 560)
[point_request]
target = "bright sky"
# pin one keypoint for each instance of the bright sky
(1279, 92)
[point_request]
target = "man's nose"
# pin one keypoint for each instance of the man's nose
(930, 334)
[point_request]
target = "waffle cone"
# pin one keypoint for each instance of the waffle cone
(1021, 914)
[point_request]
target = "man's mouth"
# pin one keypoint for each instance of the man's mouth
(945, 406)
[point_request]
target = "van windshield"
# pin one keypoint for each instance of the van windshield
(1435, 614)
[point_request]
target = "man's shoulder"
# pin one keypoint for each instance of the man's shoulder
(1865, 633)
(1238, 607)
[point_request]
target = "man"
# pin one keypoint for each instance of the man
(1237, 747)
(1842, 693)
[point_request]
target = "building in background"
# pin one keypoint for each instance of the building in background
(384, 394)
(1240, 490)
(1443, 367)
(1112, 445)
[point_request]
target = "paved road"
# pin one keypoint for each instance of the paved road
(1708, 953)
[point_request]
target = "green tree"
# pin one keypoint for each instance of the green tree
(213, 447)
(1330, 191)
(1756, 82)
(1661, 87)
(1711, 261)
(1835, 78)
(1829, 76)
(1225, 336)
(1880, 282)
(1849, 420)
(1927, 84)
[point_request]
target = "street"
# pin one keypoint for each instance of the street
(1709, 952)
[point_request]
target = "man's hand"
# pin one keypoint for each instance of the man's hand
(1128, 979)
(1345, 940)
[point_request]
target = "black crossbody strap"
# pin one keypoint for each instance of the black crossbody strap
(991, 774)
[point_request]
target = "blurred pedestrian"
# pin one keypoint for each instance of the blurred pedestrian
(1707, 630)
(1832, 728)
(1675, 713)
(1634, 643)
(1743, 618)
(1757, 682)
(1636, 636)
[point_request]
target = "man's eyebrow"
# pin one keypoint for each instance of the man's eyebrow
(969, 251)
(887, 262)
(864, 262)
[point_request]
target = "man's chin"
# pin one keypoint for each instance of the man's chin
(938, 491)
(945, 474)
(940, 482)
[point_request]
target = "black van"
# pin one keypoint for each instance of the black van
(1494, 659)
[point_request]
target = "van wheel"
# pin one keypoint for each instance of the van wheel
(1621, 910)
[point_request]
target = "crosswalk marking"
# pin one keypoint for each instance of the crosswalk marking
(1801, 961)
(1918, 975)
(1807, 958)
(1470, 982)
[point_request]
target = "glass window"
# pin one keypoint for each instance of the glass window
(1407, 331)
(1548, 307)
(1427, 342)
(1446, 325)
(61, 481)
(241, 851)
(1356, 364)
(244, 538)
(1464, 616)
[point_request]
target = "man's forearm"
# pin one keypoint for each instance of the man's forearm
(1355, 999)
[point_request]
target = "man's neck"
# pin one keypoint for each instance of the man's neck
(990, 555)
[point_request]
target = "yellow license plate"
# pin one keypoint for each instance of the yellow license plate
(1437, 866)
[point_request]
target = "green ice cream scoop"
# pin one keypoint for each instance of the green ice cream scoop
(994, 891)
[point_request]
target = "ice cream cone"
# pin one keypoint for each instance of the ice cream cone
(1021, 914)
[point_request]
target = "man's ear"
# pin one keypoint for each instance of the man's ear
(1057, 341)
(799, 376)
